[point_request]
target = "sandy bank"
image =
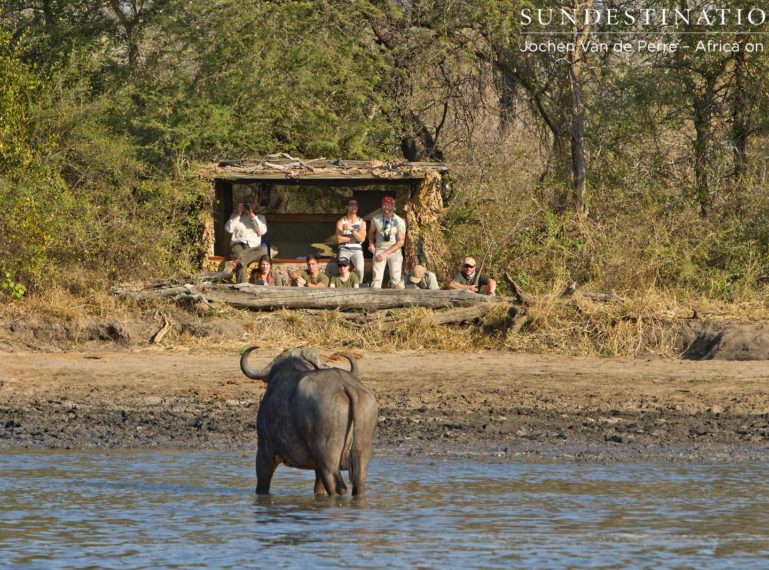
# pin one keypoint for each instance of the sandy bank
(499, 403)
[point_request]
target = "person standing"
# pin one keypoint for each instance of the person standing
(472, 280)
(421, 278)
(350, 234)
(386, 236)
(247, 229)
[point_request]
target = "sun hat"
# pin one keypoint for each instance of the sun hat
(418, 273)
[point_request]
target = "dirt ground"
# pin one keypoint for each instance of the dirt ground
(503, 404)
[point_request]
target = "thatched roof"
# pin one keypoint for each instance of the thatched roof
(281, 166)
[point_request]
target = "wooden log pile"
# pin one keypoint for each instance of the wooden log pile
(357, 306)
(256, 297)
(269, 298)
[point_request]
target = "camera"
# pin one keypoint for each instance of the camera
(246, 206)
(387, 231)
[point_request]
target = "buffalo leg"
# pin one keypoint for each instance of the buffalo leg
(319, 488)
(362, 444)
(327, 477)
(265, 468)
(329, 482)
(341, 487)
(358, 474)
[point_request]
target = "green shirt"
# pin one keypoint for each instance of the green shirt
(321, 278)
(353, 280)
(462, 279)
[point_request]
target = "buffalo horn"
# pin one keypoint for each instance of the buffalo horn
(353, 363)
(250, 372)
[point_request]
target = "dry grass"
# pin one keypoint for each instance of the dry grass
(580, 328)
(402, 329)
(645, 323)
(58, 304)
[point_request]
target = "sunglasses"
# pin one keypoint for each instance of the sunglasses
(468, 266)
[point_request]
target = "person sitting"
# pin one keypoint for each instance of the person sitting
(468, 278)
(247, 229)
(346, 279)
(421, 278)
(311, 277)
(265, 275)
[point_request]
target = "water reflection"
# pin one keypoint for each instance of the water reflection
(138, 510)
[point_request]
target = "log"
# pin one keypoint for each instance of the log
(454, 316)
(160, 334)
(443, 317)
(266, 298)
(358, 318)
(565, 296)
(155, 293)
(604, 297)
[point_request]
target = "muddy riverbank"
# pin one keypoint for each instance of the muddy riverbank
(504, 404)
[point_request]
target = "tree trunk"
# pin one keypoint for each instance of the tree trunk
(740, 111)
(575, 61)
(703, 107)
(577, 141)
(129, 26)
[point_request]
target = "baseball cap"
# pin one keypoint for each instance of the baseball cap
(470, 261)
(418, 273)
(343, 261)
(388, 200)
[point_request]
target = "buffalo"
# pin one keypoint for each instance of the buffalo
(314, 417)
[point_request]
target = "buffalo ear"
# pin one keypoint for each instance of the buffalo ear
(313, 358)
(250, 372)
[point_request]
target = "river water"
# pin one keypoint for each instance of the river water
(197, 510)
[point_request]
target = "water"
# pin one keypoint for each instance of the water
(197, 510)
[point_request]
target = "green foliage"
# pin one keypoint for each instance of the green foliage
(74, 194)
(633, 241)
(18, 89)
(10, 288)
(242, 79)
(98, 149)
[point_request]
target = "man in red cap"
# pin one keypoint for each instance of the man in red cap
(386, 236)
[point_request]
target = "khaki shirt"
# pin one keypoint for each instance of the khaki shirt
(321, 278)
(337, 282)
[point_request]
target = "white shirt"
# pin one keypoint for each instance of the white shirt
(246, 229)
(352, 227)
(395, 225)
